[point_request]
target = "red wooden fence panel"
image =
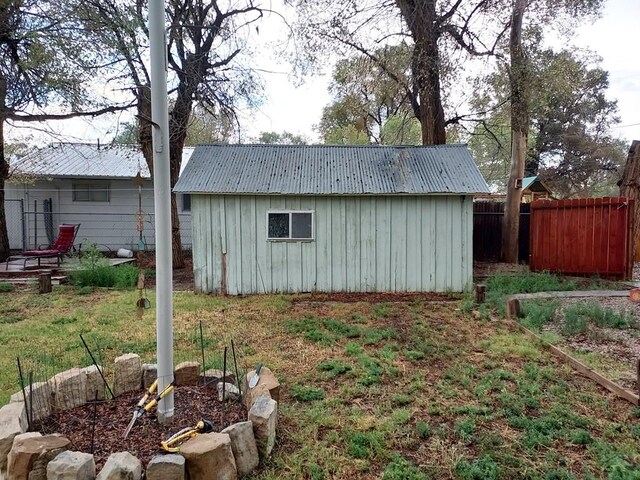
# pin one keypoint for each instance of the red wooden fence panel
(585, 236)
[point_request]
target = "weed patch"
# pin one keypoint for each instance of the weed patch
(364, 444)
(402, 469)
(305, 393)
(333, 368)
(6, 287)
(484, 468)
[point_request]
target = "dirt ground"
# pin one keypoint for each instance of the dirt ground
(182, 277)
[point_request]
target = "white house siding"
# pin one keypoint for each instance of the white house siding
(111, 225)
(364, 243)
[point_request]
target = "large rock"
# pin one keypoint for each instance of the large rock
(230, 393)
(264, 415)
(187, 373)
(149, 374)
(267, 386)
(243, 445)
(72, 466)
(166, 467)
(13, 421)
(70, 389)
(128, 374)
(209, 457)
(94, 383)
(29, 456)
(121, 466)
(42, 395)
(213, 375)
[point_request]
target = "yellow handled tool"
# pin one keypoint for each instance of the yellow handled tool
(141, 408)
(172, 444)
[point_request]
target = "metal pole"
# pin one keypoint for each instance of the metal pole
(162, 202)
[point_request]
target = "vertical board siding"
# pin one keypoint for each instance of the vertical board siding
(404, 243)
(582, 236)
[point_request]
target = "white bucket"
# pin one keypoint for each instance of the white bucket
(124, 253)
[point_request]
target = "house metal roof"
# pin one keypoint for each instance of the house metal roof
(331, 170)
(87, 160)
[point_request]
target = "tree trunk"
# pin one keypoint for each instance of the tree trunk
(146, 144)
(422, 20)
(4, 174)
(519, 132)
(630, 188)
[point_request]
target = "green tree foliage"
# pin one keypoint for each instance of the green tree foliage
(283, 138)
(45, 59)
(369, 106)
(205, 60)
(570, 145)
(437, 34)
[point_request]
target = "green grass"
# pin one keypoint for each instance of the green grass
(578, 317)
(6, 287)
(403, 390)
(501, 285)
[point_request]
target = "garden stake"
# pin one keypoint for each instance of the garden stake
(235, 366)
(204, 377)
(95, 419)
(96, 365)
(224, 383)
(24, 394)
(30, 409)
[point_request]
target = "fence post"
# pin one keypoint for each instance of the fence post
(24, 227)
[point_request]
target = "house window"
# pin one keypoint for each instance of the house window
(91, 192)
(186, 202)
(290, 225)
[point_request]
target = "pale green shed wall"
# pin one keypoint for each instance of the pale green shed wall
(362, 244)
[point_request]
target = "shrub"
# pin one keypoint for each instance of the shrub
(95, 271)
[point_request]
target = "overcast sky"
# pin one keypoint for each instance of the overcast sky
(297, 109)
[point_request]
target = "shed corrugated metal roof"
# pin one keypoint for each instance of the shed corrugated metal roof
(331, 170)
(87, 160)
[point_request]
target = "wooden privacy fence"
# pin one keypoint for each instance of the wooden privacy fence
(587, 236)
(487, 231)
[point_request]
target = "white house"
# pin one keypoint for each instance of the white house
(89, 184)
(304, 218)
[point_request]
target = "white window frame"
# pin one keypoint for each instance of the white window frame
(289, 212)
(90, 186)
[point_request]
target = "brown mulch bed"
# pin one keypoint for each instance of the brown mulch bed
(373, 297)
(112, 417)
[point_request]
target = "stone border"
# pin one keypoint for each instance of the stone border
(232, 453)
(514, 311)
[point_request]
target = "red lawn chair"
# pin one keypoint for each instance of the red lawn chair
(62, 245)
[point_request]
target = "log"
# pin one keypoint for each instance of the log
(44, 283)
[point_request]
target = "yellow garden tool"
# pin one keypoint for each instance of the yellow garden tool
(172, 444)
(141, 408)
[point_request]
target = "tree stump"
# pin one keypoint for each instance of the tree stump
(44, 283)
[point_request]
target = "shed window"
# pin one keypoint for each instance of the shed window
(290, 225)
(90, 192)
(186, 202)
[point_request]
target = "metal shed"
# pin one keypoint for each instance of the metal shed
(305, 218)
